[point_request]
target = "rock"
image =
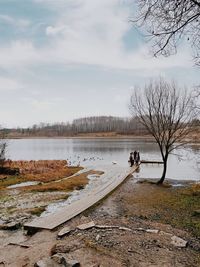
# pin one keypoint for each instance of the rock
(65, 248)
(178, 242)
(97, 237)
(86, 226)
(47, 262)
(194, 244)
(64, 231)
(10, 226)
(62, 260)
(30, 231)
(152, 231)
(79, 234)
(59, 258)
(73, 263)
(2, 222)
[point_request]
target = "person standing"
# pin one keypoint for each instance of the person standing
(137, 158)
(131, 159)
(135, 155)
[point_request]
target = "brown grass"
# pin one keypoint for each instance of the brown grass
(44, 171)
(11, 180)
(76, 182)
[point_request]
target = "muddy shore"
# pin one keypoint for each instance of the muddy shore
(170, 210)
(37, 184)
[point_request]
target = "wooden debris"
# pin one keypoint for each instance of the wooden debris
(19, 245)
(165, 233)
(86, 226)
(106, 226)
(152, 231)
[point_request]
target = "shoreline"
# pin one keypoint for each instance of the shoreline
(171, 182)
(84, 137)
(117, 137)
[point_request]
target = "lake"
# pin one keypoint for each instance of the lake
(184, 163)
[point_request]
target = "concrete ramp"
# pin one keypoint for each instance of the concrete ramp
(64, 214)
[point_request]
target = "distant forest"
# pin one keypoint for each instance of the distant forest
(87, 125)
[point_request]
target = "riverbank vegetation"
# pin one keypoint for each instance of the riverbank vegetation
(86, 125)
(92, 127)
(42, 171)
(37, 184)
(75, 182)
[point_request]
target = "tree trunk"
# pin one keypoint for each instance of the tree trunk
(164, 171)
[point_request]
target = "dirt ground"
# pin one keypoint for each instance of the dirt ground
(132, 205)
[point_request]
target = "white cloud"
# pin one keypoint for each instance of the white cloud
(87, 32)
(50, 30)
(19, 53)
(8, 84)
(40, 103)
(121, 99)
(22, 23)
(76, 58)
(43, 104)
(6, 19)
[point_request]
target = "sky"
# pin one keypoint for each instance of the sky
(65, 59)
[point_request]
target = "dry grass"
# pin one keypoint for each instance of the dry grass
(10, 180)
(76, 182)
(44, 171)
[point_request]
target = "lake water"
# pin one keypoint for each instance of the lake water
(184, 164)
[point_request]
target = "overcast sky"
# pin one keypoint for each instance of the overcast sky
(64, 59)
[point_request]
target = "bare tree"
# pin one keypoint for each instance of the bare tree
(167, 113)
(197, 97)
(95, 124)
(3, 146)
(169, 21)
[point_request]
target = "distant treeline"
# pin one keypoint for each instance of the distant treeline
(98, 124)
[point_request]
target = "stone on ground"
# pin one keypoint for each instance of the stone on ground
(10, 226)
(47, 262)
(178, 242)
(86, 226)
(66, 230)
(62, 260)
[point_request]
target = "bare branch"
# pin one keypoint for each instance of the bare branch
(169, 21)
